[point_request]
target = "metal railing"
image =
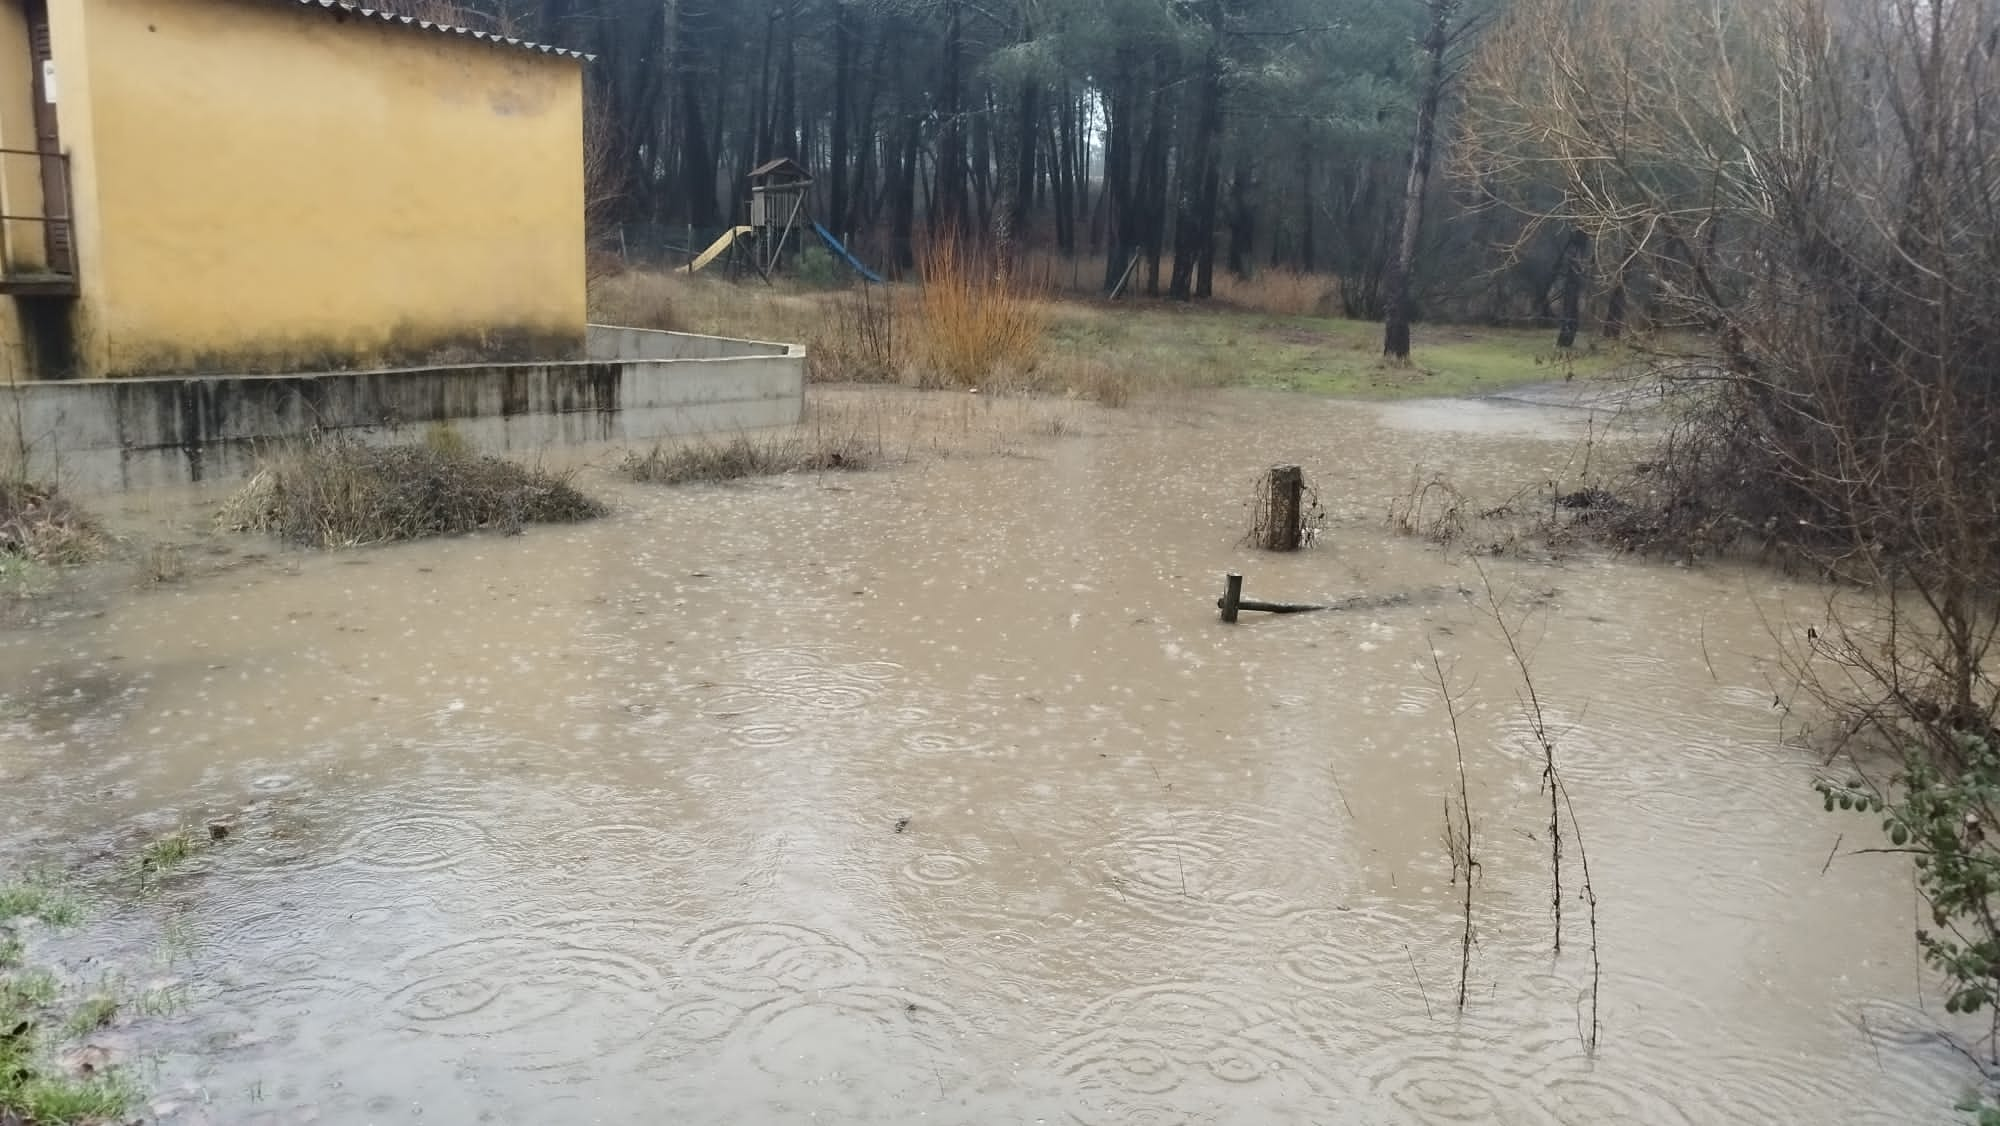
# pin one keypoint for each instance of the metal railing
(57, 218)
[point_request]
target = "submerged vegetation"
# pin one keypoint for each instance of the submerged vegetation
(337, 492)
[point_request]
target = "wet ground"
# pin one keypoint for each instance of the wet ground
(939, 794)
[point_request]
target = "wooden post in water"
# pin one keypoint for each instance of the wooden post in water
(1232, 596)
(1282, 528)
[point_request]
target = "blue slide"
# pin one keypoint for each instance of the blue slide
(833, 244)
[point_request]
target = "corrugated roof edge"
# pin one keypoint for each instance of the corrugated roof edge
(445, 28)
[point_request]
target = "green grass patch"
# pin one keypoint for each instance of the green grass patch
(37, 899)
(51, 1100)
(1316, 355)
(36, 1086)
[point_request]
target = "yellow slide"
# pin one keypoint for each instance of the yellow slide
(713, 252)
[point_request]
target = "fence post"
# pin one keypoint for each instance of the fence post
(1283, 529)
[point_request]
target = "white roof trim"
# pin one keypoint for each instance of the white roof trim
(448, 29)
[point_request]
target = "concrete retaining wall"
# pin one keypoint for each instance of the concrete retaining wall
(609, 342)
(136, 433)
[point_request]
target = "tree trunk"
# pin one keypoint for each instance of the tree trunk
(1242, 220)
(903, 210)
(1121, 220)
(1574, 248)
(981, 157)
(1308, 212)
(763, 101)
(1063, 196)
(1613, 326)
(1028, 115)
(787, 142)
(843, 81)
(1396, 283)
(863, 203)
(1153, 185)
(950, 193)
(1194, 220)
(697, 165)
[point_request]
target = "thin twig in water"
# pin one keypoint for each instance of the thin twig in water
(1590, 900)
(1339, 792)
(1538, 724)
(1552, 778)
(1419, 979)
(1829, 853)
(1465, 815)
(1868, 1034)
(1703, 638)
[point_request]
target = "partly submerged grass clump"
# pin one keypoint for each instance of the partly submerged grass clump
(697, 461)
(39, 1082)
(337, 492)
(38, 899)
(37, 1087)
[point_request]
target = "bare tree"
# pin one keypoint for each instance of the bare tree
(1813, 189)
(1396, 282)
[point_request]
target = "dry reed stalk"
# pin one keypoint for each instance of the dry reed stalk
(1458, 834)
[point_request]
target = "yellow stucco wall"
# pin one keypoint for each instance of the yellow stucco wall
(20, 176)
(270, 188)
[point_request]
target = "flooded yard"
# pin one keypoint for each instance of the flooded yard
(939, 794)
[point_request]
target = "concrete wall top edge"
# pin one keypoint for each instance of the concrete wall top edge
(792, 351)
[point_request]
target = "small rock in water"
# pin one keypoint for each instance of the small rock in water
(218, 830)
(902, 823)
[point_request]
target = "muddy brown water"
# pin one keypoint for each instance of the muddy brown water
(939, 794)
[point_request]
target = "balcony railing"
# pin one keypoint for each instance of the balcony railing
(56, 273)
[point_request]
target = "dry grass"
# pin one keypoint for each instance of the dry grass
(1016, 332)
(1279, 293)
(337, 492)
(40, 525)
(975, 319)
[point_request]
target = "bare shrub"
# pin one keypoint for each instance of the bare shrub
(332, 491)
(1432, 509)
(40, 525)
(974, 317)
(860, 338)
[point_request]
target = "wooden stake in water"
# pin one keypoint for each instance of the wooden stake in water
(1232, 601)
(1232, 596)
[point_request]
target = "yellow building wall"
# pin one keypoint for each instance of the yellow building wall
(272, 188)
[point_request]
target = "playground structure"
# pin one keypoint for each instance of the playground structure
(778, 191)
